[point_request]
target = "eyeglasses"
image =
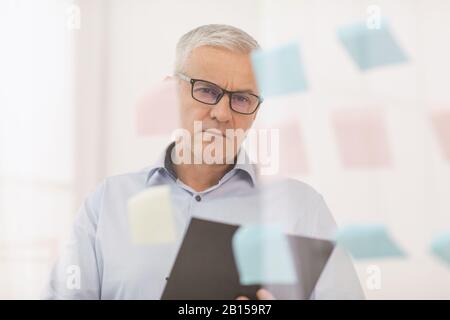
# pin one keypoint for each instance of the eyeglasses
(210, 93)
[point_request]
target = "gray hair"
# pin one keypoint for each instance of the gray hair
(216, 35)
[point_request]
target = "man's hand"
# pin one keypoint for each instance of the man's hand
(261, 294)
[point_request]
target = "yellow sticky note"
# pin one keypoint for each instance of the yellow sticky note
(150, 216)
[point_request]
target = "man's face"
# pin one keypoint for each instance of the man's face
(230, 71)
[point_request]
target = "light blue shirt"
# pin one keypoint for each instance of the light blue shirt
(110, 266)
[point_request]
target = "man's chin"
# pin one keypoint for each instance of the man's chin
(210, 156)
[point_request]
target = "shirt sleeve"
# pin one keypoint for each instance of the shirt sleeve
(76, 273)
(339, 279)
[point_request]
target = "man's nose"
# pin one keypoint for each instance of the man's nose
(222, 111)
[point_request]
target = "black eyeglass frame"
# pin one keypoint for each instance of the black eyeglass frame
(228, 93)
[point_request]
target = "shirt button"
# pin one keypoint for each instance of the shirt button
(198, 198)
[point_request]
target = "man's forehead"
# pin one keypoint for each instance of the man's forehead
(221, 66)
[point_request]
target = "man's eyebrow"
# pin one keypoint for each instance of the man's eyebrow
(241, 91)
(247, 91)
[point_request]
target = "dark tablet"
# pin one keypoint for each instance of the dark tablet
(205, 267)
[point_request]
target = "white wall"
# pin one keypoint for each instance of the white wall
(36, 142)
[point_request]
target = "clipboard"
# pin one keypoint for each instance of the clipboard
(205, 267)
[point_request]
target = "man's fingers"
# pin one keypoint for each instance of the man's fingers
(263, 294)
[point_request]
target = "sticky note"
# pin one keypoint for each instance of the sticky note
(440, 247)
(367, 241)
(263, 255)
(441, 125)
(371, 47)
(157, 111)
(361, 138)
(293, 158)
(150, 216)
(279, 70)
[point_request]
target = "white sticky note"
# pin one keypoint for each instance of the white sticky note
(150, 216)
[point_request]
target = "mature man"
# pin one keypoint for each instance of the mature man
(217, 89)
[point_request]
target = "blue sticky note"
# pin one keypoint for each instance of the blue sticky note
(263, 255)
(371, 48)
(440, 247)
(279, 70)
(368, 241)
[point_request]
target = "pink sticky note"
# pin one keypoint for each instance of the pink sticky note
(293, 158)
(362, 138)
(157, 111)
(441, 124)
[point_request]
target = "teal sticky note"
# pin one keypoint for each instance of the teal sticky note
(368, 241)
(371, 48)
(263, 255)
(279, 70)
(440, 247)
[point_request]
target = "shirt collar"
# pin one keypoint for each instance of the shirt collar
(164, 164)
